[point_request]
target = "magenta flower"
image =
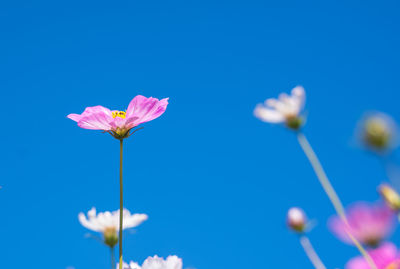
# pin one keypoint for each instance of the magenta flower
(385, 257)
(120, 123)
(369, 224)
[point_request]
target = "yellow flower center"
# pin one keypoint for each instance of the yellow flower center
(121, 114)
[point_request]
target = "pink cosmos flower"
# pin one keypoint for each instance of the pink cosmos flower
(119, 123)
(368, 223)
(384, 257)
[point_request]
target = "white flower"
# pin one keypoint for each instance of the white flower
(110, 220)
(131, 265)
(283, 109)
(172, 262)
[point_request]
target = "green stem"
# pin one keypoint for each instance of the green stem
(112, 257)
(121, 204)
(330, 191)
(311, 253)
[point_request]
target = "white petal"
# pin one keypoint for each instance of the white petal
(92, 212)
(271, 102)
(153, 263)
(134, 220)
(173, 262)
(268, 115)
(134, 265)
(299, 95)
(127, 266)
(87, 223)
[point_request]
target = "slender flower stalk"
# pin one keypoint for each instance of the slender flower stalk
(112, 255)
(121, 201)
(331, 193)
(311, 253)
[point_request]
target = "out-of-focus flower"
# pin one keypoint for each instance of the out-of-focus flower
(385, 257)
(131, 265)
(107, 223)
(172, 262)
(286, 109)
(368, 223)
(118, 123)
(390, 196)
(378, 131)
(296, 219)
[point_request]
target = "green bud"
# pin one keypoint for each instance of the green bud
(110, 237)
(294, 123)
(377, 133)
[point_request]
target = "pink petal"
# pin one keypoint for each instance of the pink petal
(94, 118)
(118, 122)
(338, 228)
(74, 117)
(382, 257)
(366, 221)
(142, 109)
(97, 121)
(357, 263)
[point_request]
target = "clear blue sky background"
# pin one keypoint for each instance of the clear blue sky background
(215, 182)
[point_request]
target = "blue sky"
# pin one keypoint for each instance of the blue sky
(215, 182)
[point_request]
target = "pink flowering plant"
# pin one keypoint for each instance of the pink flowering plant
(367, 226)
(369, 223)
(121, 125)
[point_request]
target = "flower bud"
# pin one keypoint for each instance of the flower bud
(296, 219)
(110, 237)
(378, 131)
(390, 196)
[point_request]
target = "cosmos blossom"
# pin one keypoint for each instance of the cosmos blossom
(368, 223)
(110, 220)
(172, 262)
(118, 123)
(385, 257)
(285, 109)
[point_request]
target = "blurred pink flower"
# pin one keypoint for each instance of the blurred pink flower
(368, 223)
(141, 109)
(385, 257)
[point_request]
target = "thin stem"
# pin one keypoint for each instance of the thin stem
(311, 253)
(121, 204)
(330, 191)
(112, 257)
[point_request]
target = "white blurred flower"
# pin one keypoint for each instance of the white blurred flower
(131, 265)
(110, 220)
(172, 262)
(286, 109)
